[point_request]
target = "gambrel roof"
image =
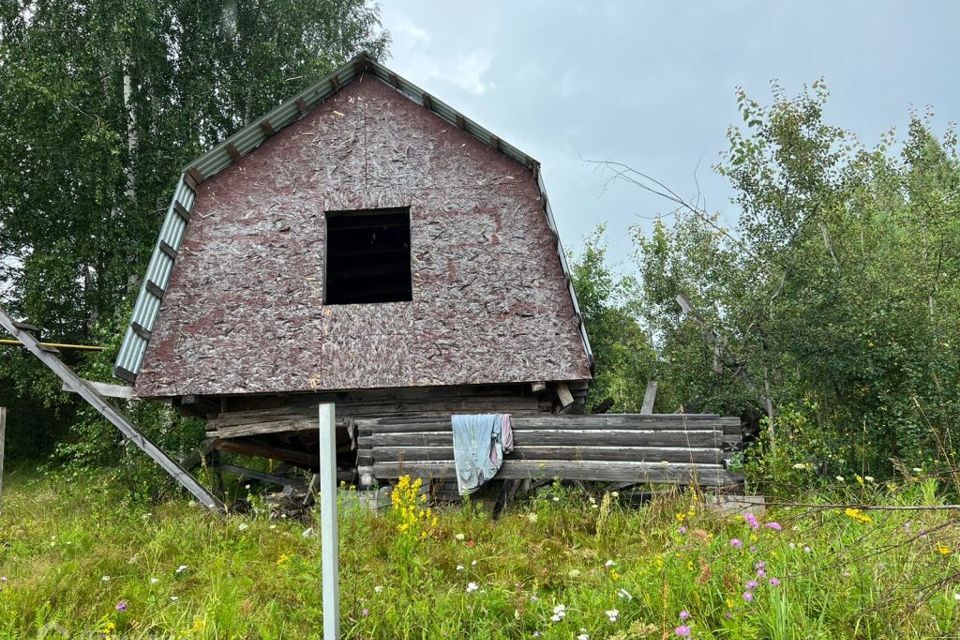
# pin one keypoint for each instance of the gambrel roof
(234, 149)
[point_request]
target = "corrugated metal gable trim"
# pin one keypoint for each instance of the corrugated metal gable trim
(247, 139)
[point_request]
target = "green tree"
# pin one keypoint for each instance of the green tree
(100, 105)
(624, 358)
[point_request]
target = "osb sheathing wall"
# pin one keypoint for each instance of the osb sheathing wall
(244, 312)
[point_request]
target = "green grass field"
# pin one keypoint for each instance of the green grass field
(561, 565)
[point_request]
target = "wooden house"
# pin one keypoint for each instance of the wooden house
(363, 243)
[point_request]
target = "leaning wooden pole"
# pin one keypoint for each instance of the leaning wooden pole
(22, 333)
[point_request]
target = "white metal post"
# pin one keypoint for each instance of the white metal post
(329, 540)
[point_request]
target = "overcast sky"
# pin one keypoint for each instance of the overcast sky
(652, 84)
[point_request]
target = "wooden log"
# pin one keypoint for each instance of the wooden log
(704, 455)
(637, 472)
(559, 437)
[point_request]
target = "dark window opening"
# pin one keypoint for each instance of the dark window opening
(368, 256)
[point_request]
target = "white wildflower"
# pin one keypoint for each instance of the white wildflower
(841, 479)
(181, 568)
(473, 564)
(556, 499)
(243, 526)
(154, 580)
(609, 563)
(307, 532)
(868, 478)
(174, 598)
(612, 615)
(917, 470)
(801, 466)
(574, 573)
(559, 613)
(378, 589)
(532, 517)
(105, 578)
(583, 636)
(807, 550)
(460, 537)
(472, 586)
(623, 594)
(459, 567)
(956, 597)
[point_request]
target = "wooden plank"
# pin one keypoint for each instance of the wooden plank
(167, 250)
(125, 374)
(637, 472)
(267, 128)
(669, 422)
(559, 437)
(181, 211)
(563, 393)
(649, 397)
(699, 455)
(105, 389)
(140, 330)
(125, 427)
(155, 289)
(233, 151)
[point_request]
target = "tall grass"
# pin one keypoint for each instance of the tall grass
(563, 564)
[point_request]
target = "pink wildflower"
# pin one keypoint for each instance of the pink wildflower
(682, 631)
(773, 525)
(121, 606)
(684, 615)
(682, 529)
(752, 585)
(774, 582)
(736, 543)
(751, 520)
(748, 596)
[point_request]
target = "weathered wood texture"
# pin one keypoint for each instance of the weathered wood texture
(672, 448)
(244, 311)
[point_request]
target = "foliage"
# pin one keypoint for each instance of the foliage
(624, 359)
(78, 552)
(836, 294)
(100, 104)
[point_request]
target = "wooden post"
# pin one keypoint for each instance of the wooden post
(329, 535)
(649, 397)
(3, 434)
(22, 333)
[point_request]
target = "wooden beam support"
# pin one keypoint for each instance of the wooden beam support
(301, 106)
(125, 374)
(233, 151)
(267, 128)
(125, 427)
(105, 389)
